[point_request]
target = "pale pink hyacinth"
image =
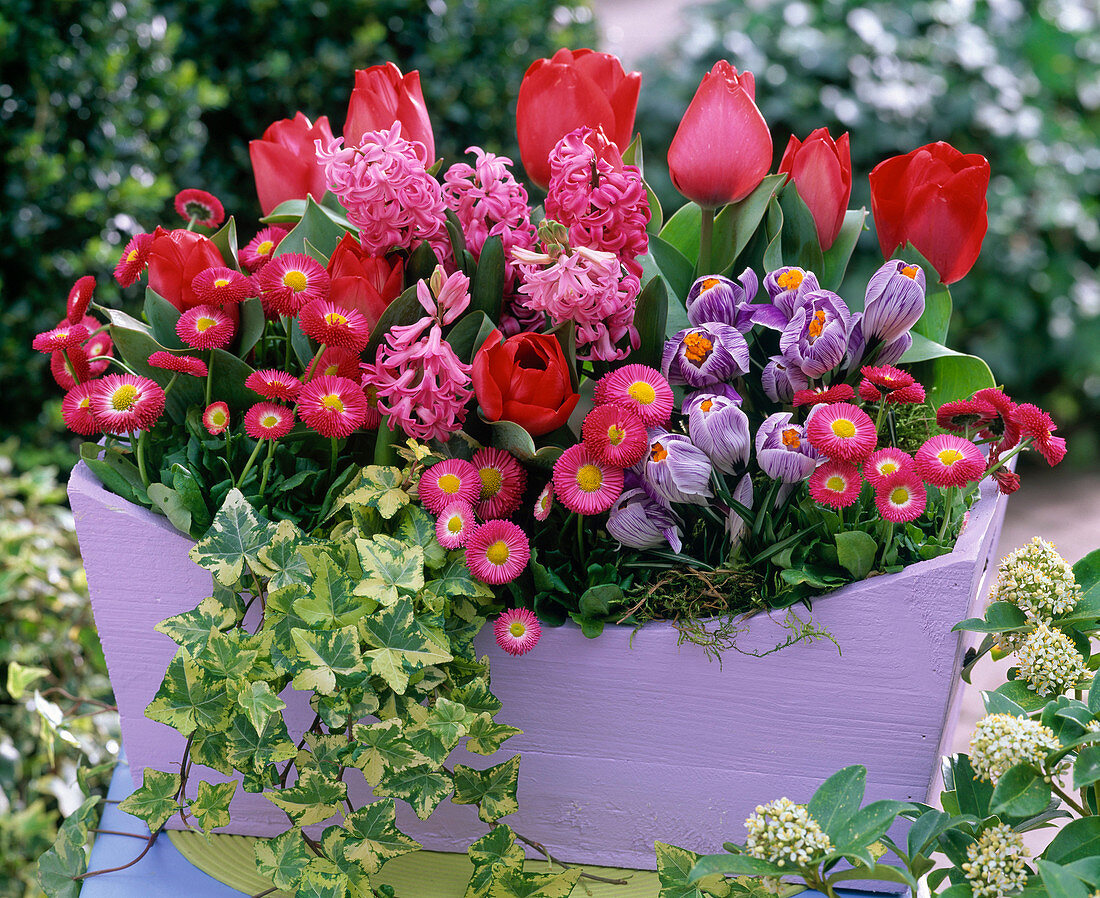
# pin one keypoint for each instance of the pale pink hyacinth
(388, 193)
(602, 201)
(588, 287)
(419, 381)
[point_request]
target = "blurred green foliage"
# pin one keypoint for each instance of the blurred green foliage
(107, 109)
(49, 651)
(1017, 82)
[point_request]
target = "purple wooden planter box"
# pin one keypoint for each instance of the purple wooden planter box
(627, 738)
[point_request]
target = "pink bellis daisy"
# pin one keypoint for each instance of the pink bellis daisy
(824, 395)
(258, 251)
(215, 418)
(497, 552)
(454, 524)
(332, 325)
(274, 384)
(290, 281)
(585, 484)
(71, 367)
(76, 410)
(1039, 427)
(948, 460)
(910, 394)
(886, 377)
(200, 207)
(517, 631)
(333, 406)
(836, 484)
(65, 336)
(447, 482)
(205, 327)
(98, 346)
(640, 388)
(133, 260)
(180, 364)
(268, 421)
(338, 362)
(1003, 427)
(615, 434)
(965, 415)
(901, 497)
(841, 431)
(80, 296)
(221, 286)
(123, 403)
(884, 463)
(502, 482)
(544, 503)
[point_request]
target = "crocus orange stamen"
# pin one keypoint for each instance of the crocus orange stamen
(699, 348)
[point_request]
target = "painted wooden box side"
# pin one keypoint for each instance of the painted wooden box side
(628, 737)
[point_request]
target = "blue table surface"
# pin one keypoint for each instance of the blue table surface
(164, 872)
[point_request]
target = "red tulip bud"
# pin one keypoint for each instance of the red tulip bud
(284, 161)
(382, 96)
(362, 282)
(822, 173)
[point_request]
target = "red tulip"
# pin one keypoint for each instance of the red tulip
(573, 89)
(933, 199)
(175, 257)
(382, 96)
(822, 172)
(360, 281)
(722, 149)
(284, 161)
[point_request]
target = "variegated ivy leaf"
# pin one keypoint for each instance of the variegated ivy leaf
(234, 540)
(390, 568)
(440, 731)
(323, 879)
(259, 703)
(454, 581)
(328, 753)
(259, 750)
(380, 747)
(377, 487)
(515, 884)
(155, 801)
(67, 858)
(283, 859)
(486, 735)
(399, 646)
(211, 750)
(492, 855)
(211, 805)
(417, 528)
(674, 872)
(327, 656)
(281, 556)
(476, 696)
(331, 601)
(422, 787)
(191, 630)
(346, 705)
(493, 790)
(228, 656)
(369, 837)
(189, 697)
(312, 799)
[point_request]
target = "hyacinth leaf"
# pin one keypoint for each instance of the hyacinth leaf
(378, 487)
(674, 867)
(835, 259)
(838, 798)
(252, 324)
(566, 335)
(1000, 617)
(234, 540)
(259, 703)
(399, 646)
(493, 790)
(391, 568)
(312, 799)
(510, 437)
(170, 504)
(327, 656)
(155, 801)
(189, 698)
(734, 865)
(651, 318)
(67, 858)
(162, 317)
(457, 240)
(282, 859)
(856, 552)
(281, 556)
(317, 226)
(487, 283)
(421, 264)
(1077, 840)
(382, 746)
(211, 806)
(422, 787)
(516, 884)
(936, 320)
(370, 836)
(415, 527)
(469, 333)
(485, 736)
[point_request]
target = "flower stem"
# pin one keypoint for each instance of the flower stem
(191, 223)
(388, 435)
(267, 466)
(333, 447)
(881, 413)
(706, 234)
(210, 377)
(140, 440)
(948, 505)
(314, 361)
(1073, 804)
(248, 464)
(172, 383)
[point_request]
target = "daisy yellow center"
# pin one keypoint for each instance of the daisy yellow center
(333, 402)
(910, 271)
(817, 324)
(218, 418)
(948, 457)
(517, 629)
(589, 478)
(642, 393)
(658, 452)
(491, 482)
(706, 405)
(132, 256)
(221, 282)
(84, 403)
(497, 553)
(709, 283)
(335, 319)
(615, 435)
(124, 398)
(544, 503)
(899, 495)
(449, 483)
(203, 324)
(269, 420)
(699, 348)
(265, 248)
(96, 350)
(792, 439)
(295, 280)
(790, 280)
(454, 525)
(843, 428)
(836, 484)
(887, 468)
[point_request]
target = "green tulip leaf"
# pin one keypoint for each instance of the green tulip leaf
(835, 259)
(510, 437)
(225, 239)
(936, 320)
(651, 318)
(162, 317)
(318, 226)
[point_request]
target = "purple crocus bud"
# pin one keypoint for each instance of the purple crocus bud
(637, 521)
(853, 359)
(677, 470)
(735, 524)
(817, 335)
(894, 301)
(719, 427)
(782, 450)
(708, 354)
(787, 288)
(718, 299)
(782, 378)
(894, 350)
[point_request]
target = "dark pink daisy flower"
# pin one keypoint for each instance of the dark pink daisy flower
(445, 483)
(583, 483)
(910, 395)
(886, 377)
(640, 388)
(274, 384)
(80, 297)
(205, 327)
(1007, 481)
(60, 338)
(221, 286)
(454, 524)
(841, 431)
(215, 418)
(290, 281)
(544, 503)
(180, 364)
(517, 631)
(200, 207)
(123, 403)
(1003, 427)
(901, 498)
(333, 406)
(836, 484)
(133, 260)
(497, 552)
(824, 395)
(336, 362)
(98, 346)
(965, 415)
(71, 367)
(76, 409)
(1039, 427)
(268, 421)
(333, 325)
(257, 252)
(948, 460)
(615, 434)
(885, 463)
(502, 483)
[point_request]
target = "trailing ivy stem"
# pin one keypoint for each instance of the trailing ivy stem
(248, 464)
(266, 467)
(138, 442)
(1073, 804)
(706, 235)
(316, 358)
